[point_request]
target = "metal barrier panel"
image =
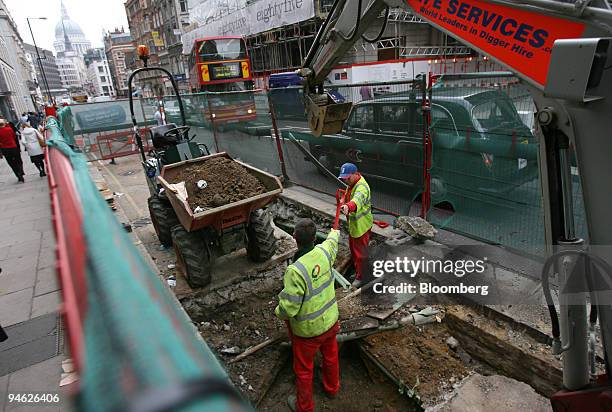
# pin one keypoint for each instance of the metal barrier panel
(235, 122)
(134, 346)
(483, 177)
(102, 130)
(485, 171)
(118, 144)
(383, 136)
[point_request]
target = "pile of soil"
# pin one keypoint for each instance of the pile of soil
(420, 355)
(227, 181)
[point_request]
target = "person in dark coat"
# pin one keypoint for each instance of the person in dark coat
(33, 120)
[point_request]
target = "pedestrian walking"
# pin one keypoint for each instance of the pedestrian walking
(358, 211)
(159, 117)
(34, 142)
(365, 92)
(33, 119)
(9, 148)
(23, 118)
(3, 335)
(308, 305)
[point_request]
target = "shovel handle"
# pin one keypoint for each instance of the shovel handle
(340, 194)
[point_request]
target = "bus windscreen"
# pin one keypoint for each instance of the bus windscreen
(221, 49)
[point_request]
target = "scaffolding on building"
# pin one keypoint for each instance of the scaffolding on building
(285, 48)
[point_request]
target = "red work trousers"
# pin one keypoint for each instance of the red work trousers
(359, 251)
(304, 351)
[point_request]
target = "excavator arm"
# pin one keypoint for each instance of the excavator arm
(562, 51)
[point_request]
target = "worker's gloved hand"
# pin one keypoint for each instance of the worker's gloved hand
(344, 209)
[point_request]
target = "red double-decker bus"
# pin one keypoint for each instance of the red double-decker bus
(222, 65)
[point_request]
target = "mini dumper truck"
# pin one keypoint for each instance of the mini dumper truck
(200, 237)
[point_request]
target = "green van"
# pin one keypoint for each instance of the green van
(481, 149)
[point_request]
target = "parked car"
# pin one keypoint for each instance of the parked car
(481, 148)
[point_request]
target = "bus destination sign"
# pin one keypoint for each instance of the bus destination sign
(225, 71)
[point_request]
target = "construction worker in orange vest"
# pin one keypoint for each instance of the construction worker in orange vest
(358, 211)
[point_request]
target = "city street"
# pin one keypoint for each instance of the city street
(232, 187)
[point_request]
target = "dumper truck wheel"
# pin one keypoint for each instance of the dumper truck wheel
(193, 256)
(262, 243)
(163, 219)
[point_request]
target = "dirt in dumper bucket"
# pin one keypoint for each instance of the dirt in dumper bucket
(227, 182)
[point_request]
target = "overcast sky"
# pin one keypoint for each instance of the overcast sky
(94, 17)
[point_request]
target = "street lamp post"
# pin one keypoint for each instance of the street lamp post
(40, 66)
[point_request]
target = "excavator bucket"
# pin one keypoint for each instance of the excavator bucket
(325, 116)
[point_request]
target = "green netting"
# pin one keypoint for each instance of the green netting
(66, 124)
(136, 337)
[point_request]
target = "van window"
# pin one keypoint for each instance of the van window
(493, 113)
(362, 118)
(398, 118)
(441, 120)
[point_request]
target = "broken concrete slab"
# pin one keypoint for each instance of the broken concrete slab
(493, 393)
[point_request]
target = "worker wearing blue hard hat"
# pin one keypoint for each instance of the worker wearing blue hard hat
(358, 210)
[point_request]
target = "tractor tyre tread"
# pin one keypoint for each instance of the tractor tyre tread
(163, 218)
(262, 243)
(195, 256)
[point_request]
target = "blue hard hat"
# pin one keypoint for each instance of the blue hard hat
(347, 169)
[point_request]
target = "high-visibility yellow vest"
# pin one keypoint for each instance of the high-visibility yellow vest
(361, 220)
(308, 299)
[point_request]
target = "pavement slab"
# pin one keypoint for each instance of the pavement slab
(29, 343)
(16, 280)
(44, 377)
(494, 393)
(46, 282)
(29, 292)
(45, 304)
(15, 307)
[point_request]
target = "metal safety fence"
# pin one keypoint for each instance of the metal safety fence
(485, 169)
(383, 136)
(134, 347)
(477, 161)
(103, 130)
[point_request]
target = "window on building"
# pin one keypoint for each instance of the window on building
(101, 69)
(103, 79)
(183, 5)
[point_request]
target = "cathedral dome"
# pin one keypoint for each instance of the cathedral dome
(71, 28)
(69, 36)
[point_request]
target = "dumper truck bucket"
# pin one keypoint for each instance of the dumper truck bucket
(324, 115)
